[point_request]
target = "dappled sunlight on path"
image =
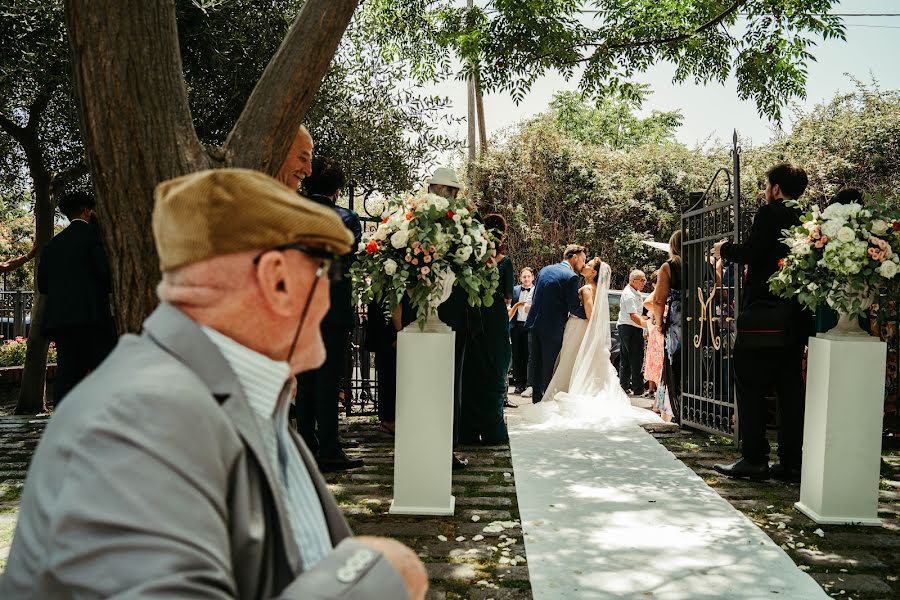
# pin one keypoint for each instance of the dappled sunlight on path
(613, 514)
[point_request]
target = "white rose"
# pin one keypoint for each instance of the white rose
(853, 209)
(464, 253)
(832, 226)
(381, 234)
(390, 267)
(399, 239)
(463, 212)
(879, 227)
(845, 234)
(888, 269)
(467, 240)
(361, 247)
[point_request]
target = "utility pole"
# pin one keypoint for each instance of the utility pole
(479, 102)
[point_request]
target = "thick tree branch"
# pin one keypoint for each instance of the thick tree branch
(263, 134)
(38, 106)
(60, 180)
(14, 130)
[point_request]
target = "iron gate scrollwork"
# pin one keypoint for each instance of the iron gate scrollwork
(360, 389)
(711, 292)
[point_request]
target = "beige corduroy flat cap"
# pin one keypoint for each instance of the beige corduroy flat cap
(223, 211)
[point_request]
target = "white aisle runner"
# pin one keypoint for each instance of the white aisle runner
(616, 515)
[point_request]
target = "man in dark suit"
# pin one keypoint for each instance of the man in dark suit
(758, 370)
(74, 274)
(317, 396)
(522, 295)
(555, 297)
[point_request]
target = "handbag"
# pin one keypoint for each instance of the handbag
(768, 324)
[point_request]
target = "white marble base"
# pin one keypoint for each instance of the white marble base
(423, 445)
(842, 430)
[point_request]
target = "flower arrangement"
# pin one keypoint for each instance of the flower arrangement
(12, 352)
(424, 246)
(840, 256)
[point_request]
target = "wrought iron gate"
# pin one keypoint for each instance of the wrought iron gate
(710, 295)
(360, 389)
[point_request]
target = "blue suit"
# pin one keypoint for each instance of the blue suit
(555, 297)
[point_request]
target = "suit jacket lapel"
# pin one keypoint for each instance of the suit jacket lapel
(182, 337)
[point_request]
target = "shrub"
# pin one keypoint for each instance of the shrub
(12, 352)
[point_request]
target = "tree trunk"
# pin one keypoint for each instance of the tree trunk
(137, 131)
(479, 106)
(34, 373)
(137, 126)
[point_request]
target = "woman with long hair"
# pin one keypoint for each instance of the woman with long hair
(666, 309)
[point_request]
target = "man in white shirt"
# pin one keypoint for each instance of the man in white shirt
(631, 326)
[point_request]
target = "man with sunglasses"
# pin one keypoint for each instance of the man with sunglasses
(173, 473)
(317, 393)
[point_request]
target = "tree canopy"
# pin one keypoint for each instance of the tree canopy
(765, 44)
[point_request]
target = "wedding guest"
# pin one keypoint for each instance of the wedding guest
(298, 164)
(666, 303)
(73, 272)
(381, 339)
(757, 370)
(455, 312)
(631, 325)
(522, 295)
(488, 355)
(171, 472)
(318, 390)
(653, 359)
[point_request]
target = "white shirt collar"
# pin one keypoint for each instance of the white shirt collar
(261, 378)
(82, 220)
(571, 268)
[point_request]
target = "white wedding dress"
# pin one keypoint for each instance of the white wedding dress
(584, 390)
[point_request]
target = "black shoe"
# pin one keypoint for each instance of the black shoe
(460, 462)
(348, 444)
(338, 462)
(742, 468)
(508, 404)
(518, 391)
(785, 473)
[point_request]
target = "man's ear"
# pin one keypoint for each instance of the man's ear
(271, 277)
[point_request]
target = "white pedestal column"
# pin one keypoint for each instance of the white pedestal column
(842, 430)
(423, 445)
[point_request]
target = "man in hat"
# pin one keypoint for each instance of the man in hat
(455, 311)
(172, 472)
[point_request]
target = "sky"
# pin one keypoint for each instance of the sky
(713, 111)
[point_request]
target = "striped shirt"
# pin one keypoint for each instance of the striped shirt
(267, 384)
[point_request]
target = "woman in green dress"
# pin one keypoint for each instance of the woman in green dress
(488, 354)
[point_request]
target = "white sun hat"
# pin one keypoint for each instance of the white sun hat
(444, 176)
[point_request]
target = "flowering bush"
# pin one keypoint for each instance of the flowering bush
(12, 352)
(840, 256)
(423, 246)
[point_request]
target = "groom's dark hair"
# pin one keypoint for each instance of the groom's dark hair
(572, 250)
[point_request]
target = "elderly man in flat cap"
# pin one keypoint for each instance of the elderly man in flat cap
(172, 473)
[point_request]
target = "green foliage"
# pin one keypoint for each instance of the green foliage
(570, 176)
(12, 352)
(765, 44)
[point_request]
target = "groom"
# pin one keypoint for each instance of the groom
(555, 297)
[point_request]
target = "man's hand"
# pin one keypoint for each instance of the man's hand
(717, 249)
(404, 560)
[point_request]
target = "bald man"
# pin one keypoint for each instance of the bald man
(298, 164)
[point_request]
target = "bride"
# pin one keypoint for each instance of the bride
(584, 389)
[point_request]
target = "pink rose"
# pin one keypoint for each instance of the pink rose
(431, 249)
(427, 258)
(415, 261)
(426, 270)
(408, 258)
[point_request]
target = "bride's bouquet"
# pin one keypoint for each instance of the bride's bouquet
(424, 246)
(841, 256)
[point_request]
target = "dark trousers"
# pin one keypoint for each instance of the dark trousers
(756, 373)
(386, 369)
(317, 396)
(459, 357)
(544, 351)
(519, 338)
(672, 375)
(79, 350)
(631, 358)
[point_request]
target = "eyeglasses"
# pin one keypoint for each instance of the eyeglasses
(330, 265)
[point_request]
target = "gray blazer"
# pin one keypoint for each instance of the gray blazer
(151, 481)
